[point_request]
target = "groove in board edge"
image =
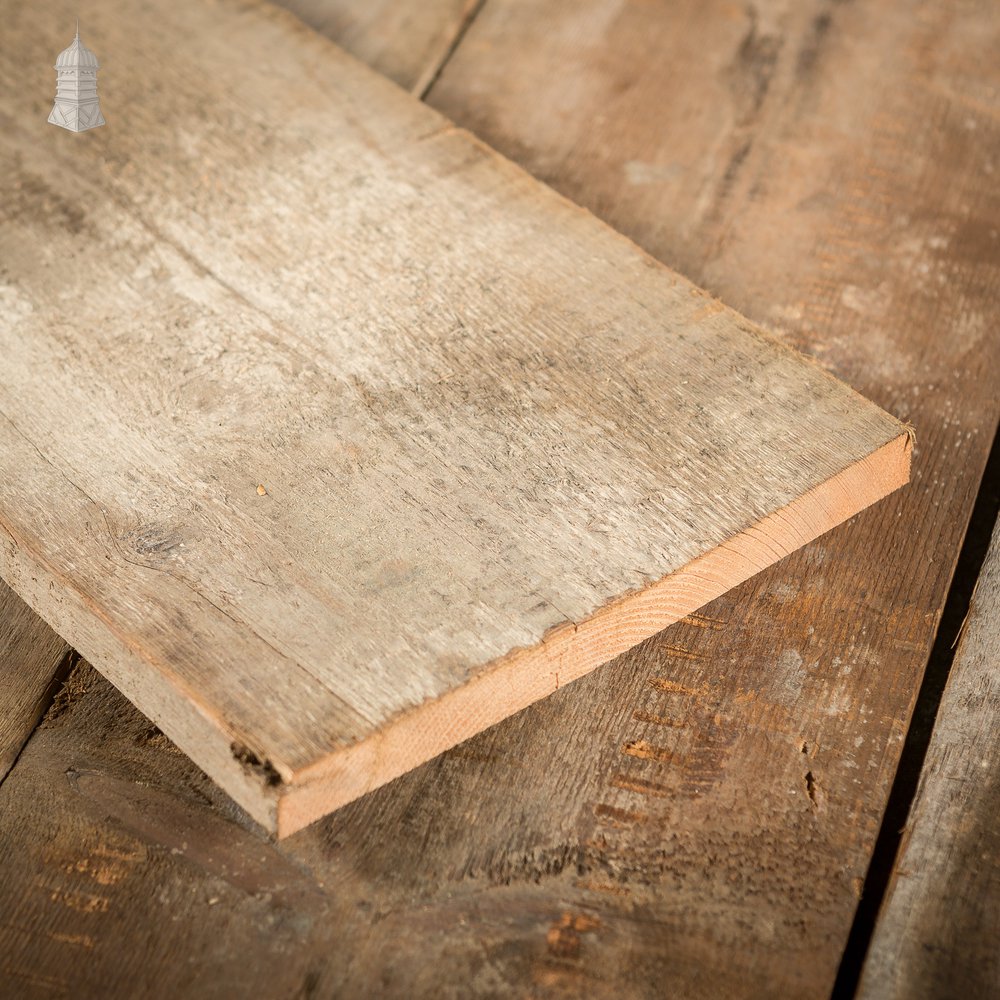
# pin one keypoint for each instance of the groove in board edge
(374, 440)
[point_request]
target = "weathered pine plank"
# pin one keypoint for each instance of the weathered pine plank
(30, 657)
(830, 170)
(375, 440)
(406, 40)
(938, 929)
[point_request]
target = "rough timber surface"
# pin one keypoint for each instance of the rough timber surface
(30, 658)
(374, 439)
(830, 170)
(939, 928)
(553, 855)
(407, 40)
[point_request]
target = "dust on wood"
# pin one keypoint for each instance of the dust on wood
(71, 689)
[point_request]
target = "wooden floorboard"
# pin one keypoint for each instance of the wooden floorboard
(650, 828)
(375, 440)
(938, 928)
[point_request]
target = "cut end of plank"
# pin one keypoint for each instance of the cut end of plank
(572, 650)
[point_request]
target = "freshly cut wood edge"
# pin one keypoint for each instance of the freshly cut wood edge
(524, 676)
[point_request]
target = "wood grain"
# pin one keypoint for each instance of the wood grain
(375, 439)
(652, 822)
(937, 931)
(406, 40)
(829, 170)
(30, 658)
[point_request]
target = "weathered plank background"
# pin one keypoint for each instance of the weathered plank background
(939, 926)
(692, 857)
(829, 170)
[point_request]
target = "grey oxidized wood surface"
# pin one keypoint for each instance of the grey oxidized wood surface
(374, 439)
(938, 929)
(406, 41)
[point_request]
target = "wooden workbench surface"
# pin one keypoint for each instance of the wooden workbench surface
(696, 818)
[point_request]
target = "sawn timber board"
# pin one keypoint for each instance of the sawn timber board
(331, 437)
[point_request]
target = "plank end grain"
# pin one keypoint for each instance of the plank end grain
(375, 439)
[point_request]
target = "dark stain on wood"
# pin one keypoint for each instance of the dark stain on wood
(252, 763)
